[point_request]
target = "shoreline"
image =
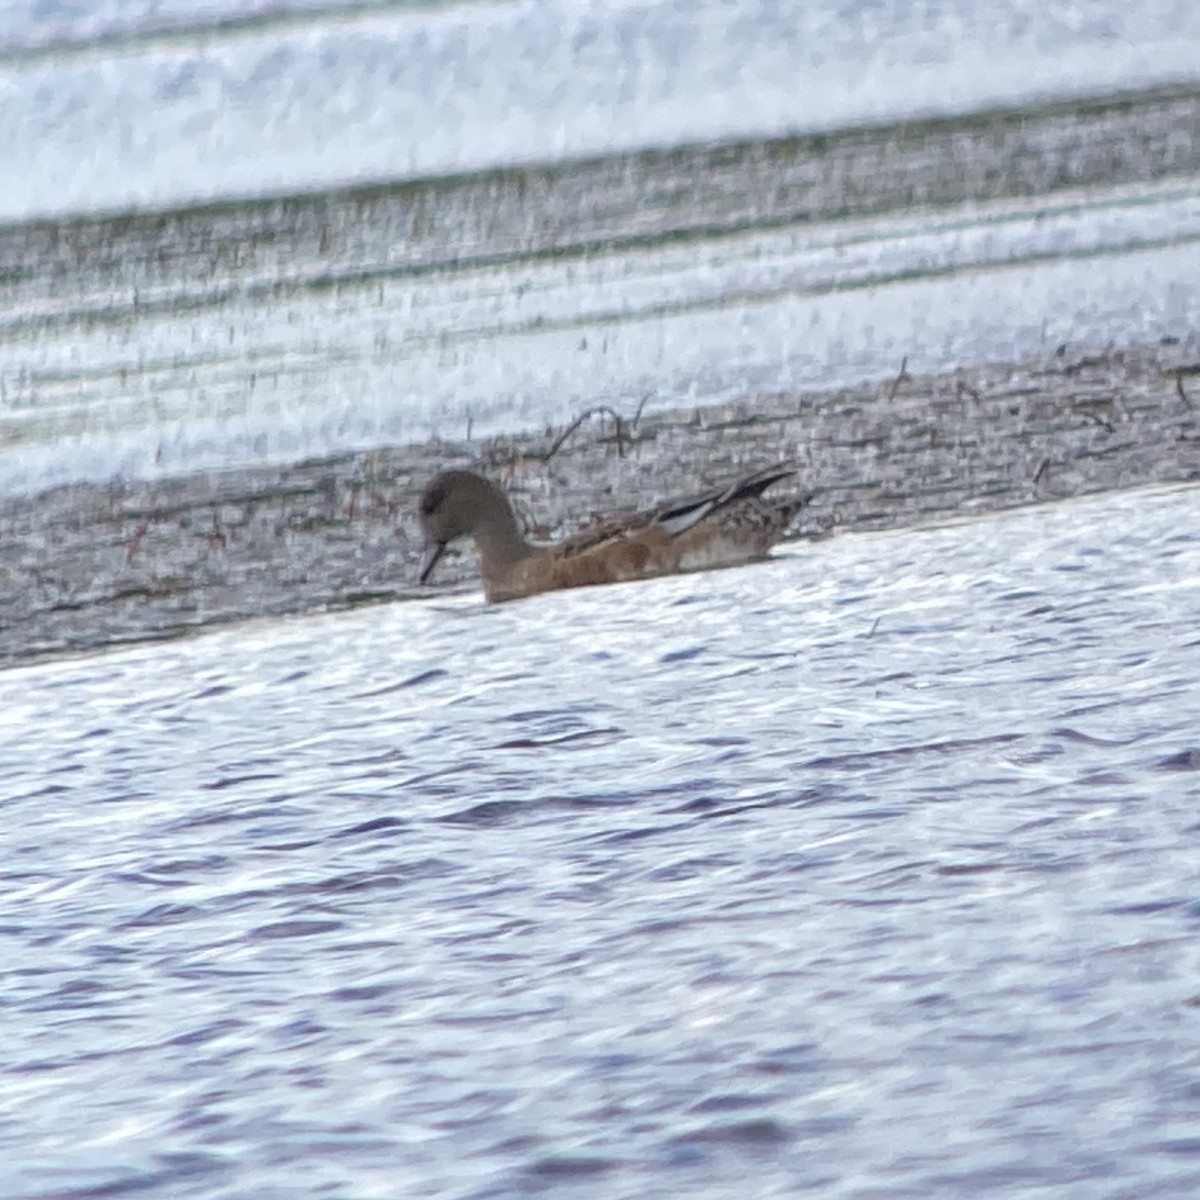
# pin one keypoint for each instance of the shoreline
(91, 566)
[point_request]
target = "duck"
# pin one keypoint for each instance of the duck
(722, 527)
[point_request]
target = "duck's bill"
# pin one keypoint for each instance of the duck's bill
(429, 559)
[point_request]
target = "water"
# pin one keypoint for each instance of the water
(570, 204)
(112, 106)
(339, 329)
(868, 871)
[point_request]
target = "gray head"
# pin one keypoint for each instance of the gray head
(459, 504)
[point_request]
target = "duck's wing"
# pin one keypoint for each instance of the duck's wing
(679, 516)
(674, 516)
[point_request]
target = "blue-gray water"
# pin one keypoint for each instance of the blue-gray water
(168, 344)
(110, 104)
(866, 872)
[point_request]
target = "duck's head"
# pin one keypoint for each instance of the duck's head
(456, 504)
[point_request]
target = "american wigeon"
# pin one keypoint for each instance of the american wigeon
(720, 528)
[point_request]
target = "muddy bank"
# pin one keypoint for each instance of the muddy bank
(88, 566)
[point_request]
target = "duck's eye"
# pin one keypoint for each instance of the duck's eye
(431, 501)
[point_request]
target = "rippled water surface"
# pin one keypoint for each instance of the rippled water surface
(110, 104)
(870, 871)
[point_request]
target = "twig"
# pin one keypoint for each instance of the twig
(901, 378)
(1037, 478)
(133, 544)
(599, 410)
(637, 415)
(960, 388)
(1088, 361)
(875, 626)
(215, 537)
(1179, 388)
